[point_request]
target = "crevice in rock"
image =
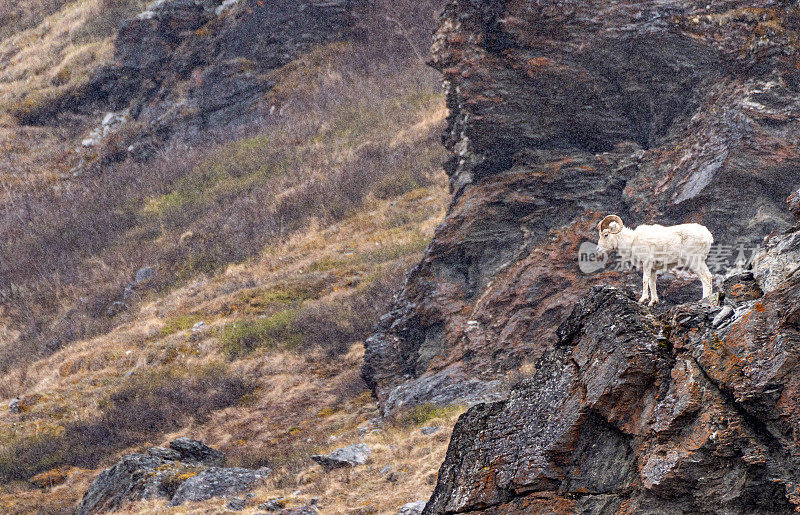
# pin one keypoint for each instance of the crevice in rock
(757, 426)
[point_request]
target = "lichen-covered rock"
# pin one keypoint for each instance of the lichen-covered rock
(741, 287)
(160, 473)
(273, 504)
(664, 112)
(632, 412)
(778, 262)
(153, 474)
(218, 482)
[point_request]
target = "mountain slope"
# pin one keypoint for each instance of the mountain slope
(658, 112)
(284, 228)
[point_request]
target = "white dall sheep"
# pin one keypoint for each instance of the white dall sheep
(655, 247)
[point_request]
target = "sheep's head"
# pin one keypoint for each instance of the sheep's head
(609, 228)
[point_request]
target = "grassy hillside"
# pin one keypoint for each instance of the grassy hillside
(273, 378)
(71, 244)
(50, 48)
(286, 239)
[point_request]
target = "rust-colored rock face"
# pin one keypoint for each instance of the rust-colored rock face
(561, 112)
(632, 412)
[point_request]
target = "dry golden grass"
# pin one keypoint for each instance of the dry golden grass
(346, 133)
(303, 403)
(59, 54)
(354, 169)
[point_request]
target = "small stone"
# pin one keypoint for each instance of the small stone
(429, 430)
(199, 327)
(273, 504)
(144, 274)
(15, 406)
(386, 469)
(302, 510)
(723, 315)
(412, 508)
(236, 504)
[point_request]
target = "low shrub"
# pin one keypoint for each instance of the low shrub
(240, 338)
(144, 407)
(334, 326)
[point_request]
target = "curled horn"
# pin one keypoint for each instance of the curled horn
(606, 223)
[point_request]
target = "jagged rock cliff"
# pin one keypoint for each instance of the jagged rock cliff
(690, 411)
(562, 112)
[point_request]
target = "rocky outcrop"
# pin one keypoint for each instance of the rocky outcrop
(187, 67)
(663, 112)
(779, 260)
(188, 470)
(632, 412)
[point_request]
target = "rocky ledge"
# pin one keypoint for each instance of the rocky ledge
(562, 112)
(632, 412)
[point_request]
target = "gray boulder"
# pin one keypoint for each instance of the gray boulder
(349, 456)
(180, 473)
(218, 482)
(152, 474)
(778, 261)
(197, 452)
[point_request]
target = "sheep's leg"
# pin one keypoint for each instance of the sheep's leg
(645, 284)
(705, 278)
(653, 292)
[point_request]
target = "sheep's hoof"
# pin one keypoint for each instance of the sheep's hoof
(654, 301)
(642, 300)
